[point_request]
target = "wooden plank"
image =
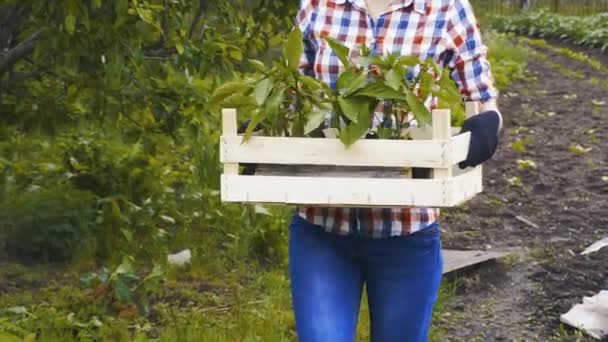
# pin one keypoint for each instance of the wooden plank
(464, 186)
(442, 131)
(460, 148)
(352, 191)
(454, 260)
(229, 128)
(327, 151)
(335, 191)
(472, 109)
(426, 132)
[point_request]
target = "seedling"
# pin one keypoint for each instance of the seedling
(515, 182)
(288, 103)
(123, 289)
(578, 149)
(519, 145)
(526, 164)
(592, 165)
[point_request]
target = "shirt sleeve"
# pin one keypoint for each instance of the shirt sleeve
(304, 20)
(469, 64)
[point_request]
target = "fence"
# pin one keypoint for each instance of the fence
(568, 7)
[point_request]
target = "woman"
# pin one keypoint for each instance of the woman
(395, 252)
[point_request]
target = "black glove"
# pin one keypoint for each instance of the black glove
(484, 137)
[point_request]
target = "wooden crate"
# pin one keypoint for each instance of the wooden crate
(434, 147)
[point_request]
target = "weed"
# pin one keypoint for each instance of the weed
(578, 149)
(526, 164)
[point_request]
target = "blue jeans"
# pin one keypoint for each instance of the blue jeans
(402, 277)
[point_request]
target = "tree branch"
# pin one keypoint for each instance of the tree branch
(197, 17)
(165, 23)
(151, 53)
(12, 56)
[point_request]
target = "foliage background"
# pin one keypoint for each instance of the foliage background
(109, 158)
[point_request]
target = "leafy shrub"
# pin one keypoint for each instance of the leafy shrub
(508, 60)
(47, 223)
(359, 89)
(591, 31)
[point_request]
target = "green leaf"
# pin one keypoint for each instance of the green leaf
(349, 135)
(156, 273)
(89, 280)
(261, 91)
(236, 55)
(340, 50)
(349, 82)
(375, 60)
(7, 337)
(229, 89)
(449, 97)
(179, 47)
(311, 82)
(422, 114)
(294, 48)
(256, 118)
(273, 104)
(393, 80)
(408, 61)
(379, 90)
(315, 119)
(70, 24)
(258, 66)
(125, 267)
(238, 101)
(122, 292)
(353, 132)
(127, 234)
(354, 107)
(426, 84)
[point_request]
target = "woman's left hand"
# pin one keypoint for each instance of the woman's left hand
(484, 128)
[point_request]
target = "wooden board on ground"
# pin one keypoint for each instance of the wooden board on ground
(454, 260)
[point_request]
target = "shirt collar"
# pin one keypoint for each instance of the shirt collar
(419, 5)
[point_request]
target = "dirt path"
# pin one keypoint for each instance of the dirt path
(546, 214)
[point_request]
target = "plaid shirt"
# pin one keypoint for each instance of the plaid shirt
(445, 30)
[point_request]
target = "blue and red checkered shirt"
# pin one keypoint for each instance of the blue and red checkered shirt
(445, 30)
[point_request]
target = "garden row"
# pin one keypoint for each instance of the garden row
(588, 31)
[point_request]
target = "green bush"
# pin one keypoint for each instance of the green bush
(590, 31)
(47, 223)
(508, 60)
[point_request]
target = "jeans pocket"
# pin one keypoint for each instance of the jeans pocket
(431, 230)
(427, 239)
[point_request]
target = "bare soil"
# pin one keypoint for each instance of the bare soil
(559, 209)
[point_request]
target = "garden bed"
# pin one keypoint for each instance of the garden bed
(546, 210)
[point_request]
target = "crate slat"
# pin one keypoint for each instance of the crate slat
(229, 129)
(364, 192)
(325, 151)
(441, 131)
